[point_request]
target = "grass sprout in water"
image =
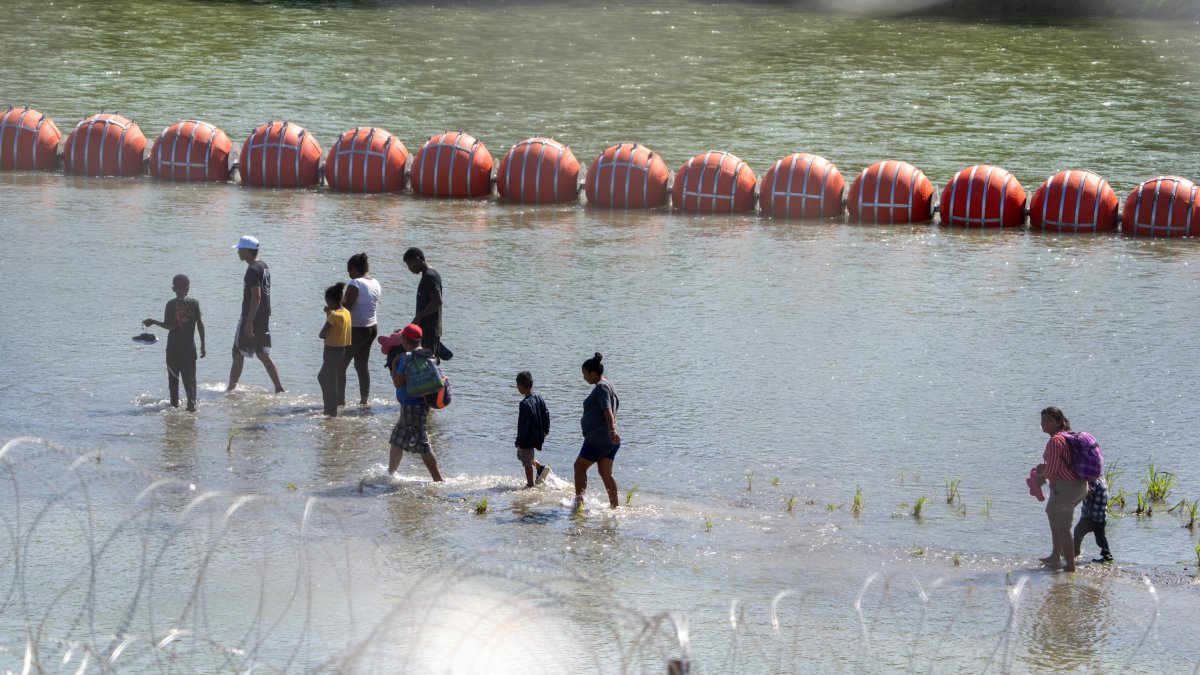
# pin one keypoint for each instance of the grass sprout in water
(1112, 471)
(952, 494)
(629, 495)
(481, 506)
(1190, 508)
(856, 506)
(1117, 502)
(1116, 495)
(919, 507)
(791, 504)
(1144, 507)
(1158, 483)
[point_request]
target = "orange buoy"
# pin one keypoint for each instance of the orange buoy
(538, 171)
(714, 182)
(452, 164)
(28, 140)
(366, 159)
(282, 155)
(1162, 207)
(1074, 201)
(802, 185)
(191, 151)
(891, 192)
(983, 196)
(627, 176)
(105, 145)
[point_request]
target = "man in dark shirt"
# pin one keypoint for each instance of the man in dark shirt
(429, 301)
(253, 337)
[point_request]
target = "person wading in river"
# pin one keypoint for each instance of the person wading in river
(1066, 489)
(429, 301)
(361, 298)
(253, 337)
(600, 438)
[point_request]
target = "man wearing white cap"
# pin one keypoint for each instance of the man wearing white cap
(253, 337)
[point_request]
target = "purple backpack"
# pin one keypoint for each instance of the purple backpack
(1086, 459)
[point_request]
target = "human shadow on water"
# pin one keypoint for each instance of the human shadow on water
(1067, 630)
(524, 512)
(179, 444)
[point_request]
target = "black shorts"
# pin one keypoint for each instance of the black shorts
(595, 453)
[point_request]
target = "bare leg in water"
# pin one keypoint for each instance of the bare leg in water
(235, 370)
(1064, 550)
(396, 453)
(605, 469)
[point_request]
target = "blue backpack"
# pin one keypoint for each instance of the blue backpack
(425, 380)
(1086, 459)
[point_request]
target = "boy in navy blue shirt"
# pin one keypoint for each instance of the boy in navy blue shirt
(533, 425)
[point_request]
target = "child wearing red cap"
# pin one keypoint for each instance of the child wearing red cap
(409, 433)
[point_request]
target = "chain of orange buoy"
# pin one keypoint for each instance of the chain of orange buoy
(454, 164)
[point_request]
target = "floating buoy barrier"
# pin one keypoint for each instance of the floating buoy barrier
(280, 155)
(983, 196)
(627, 176)
(1074, 201)
(28, 140)
(802, 185)
(1162, 207)
(366, 159)
(189, 151)
(105, 145)
(538, 171)
(624, 176)
(714, 182)
(891, 192)
(452, 164)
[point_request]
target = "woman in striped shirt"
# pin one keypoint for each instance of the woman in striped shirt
(1066, 489)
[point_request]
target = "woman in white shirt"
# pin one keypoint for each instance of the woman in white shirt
(361, 298)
